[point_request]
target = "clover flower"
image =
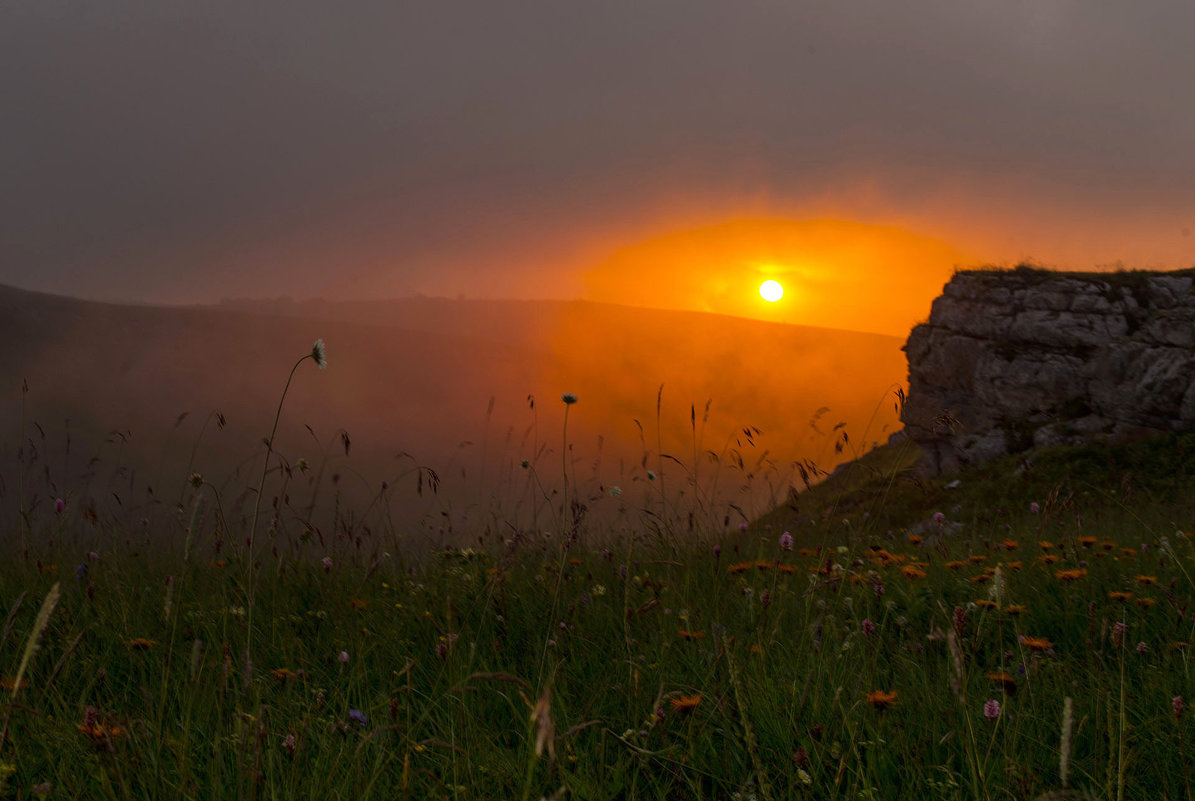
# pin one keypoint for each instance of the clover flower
(991, 709)
(786, 541)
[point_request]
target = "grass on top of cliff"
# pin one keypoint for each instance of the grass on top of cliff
(881, 493)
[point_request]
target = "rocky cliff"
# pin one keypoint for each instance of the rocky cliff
(1011, 360)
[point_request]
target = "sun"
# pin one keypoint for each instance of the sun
(771, 291)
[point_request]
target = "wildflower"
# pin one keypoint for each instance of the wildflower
(908, 571)
(1176, 703)
(1034, 508)
(1006, 682)
(786, 541)
(1120, 596)
(801, 757)
(1015, 609)
(959, 619)
(343, 657)
(358, 603)
(955, 565)
(685, 704)
(59, 505)
(319, 352)
(10, 685)
(284, 675)
(1146, 581)
(1010, 545)
(1086, 542)
(288, 743)
(717, 551)
(568, 398)
(1070, 575)
(1142, 647)
(882, 700)
(939, 518)
(1036, 643)
(739, 567)
(868, 627)
(1046, 545)
(327, 563)
(991, 710)
(982, 578)
(916, 539)
(1118, 634)
(984, 603)
(978, 558)
(685, 634)
(140, 644)
(93, 555)
(615, 492)
(1048, 559)
(196, 480)
(358, 717)
(1146, 603)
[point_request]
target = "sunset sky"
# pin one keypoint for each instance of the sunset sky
(667, 153)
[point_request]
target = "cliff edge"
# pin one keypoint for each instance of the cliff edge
(1012, 360)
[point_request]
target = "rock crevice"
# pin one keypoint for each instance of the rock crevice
(1011, 360)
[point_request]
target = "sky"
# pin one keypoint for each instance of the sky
(175, 152)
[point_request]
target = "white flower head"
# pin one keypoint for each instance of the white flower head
(319, 352)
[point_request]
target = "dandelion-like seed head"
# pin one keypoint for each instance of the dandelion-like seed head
(568, 398)
(319, 352)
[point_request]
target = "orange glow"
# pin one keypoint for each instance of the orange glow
(771, 291)
(852, 275)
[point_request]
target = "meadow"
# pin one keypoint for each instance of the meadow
(1020, 631)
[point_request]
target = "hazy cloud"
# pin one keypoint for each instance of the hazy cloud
(172, 151)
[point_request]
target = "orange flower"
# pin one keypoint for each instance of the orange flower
(1036, 643)
(1048, 559)
(1107, 546)
(764, 564)
(1015, 609)
(1014, 565)
(690, 635)
(916, 539)
(1145, 581)
(984, 603)
(99, 734)
(979, 558)
(1128, 553)
(955, 565)
(1070, 575)
(908, 571)
(809, 551)
(1011, 545)
(284, 674)
(881, 699)
(1146, 603)
(1086, 542)
(786, 569)
(738, 567)
(1046, 545)
(982, 578)
(685, 703)
(1120, 596)
(1006, 682)
(140, 644)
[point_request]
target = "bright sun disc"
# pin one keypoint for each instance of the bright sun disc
(771, 291)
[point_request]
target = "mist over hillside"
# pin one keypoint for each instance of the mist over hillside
(124, 399)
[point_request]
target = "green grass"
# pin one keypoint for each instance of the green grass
(710, 665)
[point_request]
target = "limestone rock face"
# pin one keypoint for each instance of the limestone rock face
(1011, 360)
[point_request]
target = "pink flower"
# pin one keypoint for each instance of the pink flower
(991, 710)
(59, 505)
(1176, 703)
(327, 563)
(786, 541)
(1033, 507)
(869, 628)
(343, 658)
(939, 518)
